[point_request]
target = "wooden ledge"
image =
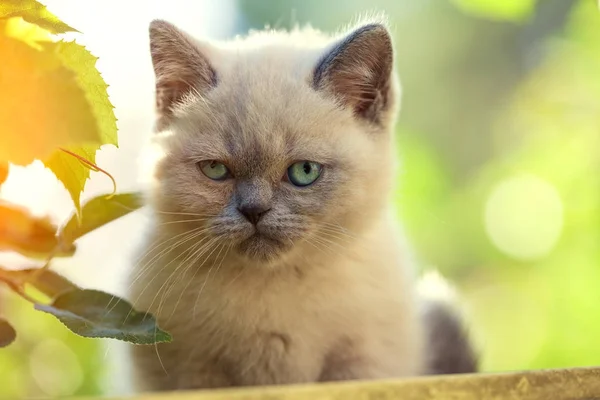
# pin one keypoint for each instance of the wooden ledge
(565, 384)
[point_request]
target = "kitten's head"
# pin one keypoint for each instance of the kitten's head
(275, 144)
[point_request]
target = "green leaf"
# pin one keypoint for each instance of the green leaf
(35, 13)
(95, 314)
(70, 171)
(41, 104)
(100, 211)
(7, 333)
(511, 10)
(31, 236)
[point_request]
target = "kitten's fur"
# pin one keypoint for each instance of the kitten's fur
(325, 292)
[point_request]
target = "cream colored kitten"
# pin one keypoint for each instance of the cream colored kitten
(273, 257)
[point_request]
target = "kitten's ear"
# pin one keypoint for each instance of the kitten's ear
(179, 66)
(358, 71)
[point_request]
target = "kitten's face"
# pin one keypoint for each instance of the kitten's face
(266, 165)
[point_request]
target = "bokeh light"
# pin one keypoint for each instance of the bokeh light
(524, 217)
(55, 368)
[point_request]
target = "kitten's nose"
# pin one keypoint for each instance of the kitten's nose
(253, 213)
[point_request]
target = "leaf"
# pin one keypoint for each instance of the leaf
(95, 314)
(49, 282)
(31, 34)
(70, 171)
(41, 105)
(3, 171)
(79, 60)
(35, 13)
(511, 10)
(100, 211)
(46, 281)
(31, 236)
(82, 64)
(7, 333)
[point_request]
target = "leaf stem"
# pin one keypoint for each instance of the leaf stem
(94, 168)
(16, 288)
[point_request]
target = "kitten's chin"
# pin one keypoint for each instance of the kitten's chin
(261, 248)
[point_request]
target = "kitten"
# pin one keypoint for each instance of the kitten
(273, 256)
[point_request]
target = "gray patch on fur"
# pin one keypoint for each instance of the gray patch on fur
(449, 349)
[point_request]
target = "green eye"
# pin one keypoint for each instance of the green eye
(215, 170)
(304, 173)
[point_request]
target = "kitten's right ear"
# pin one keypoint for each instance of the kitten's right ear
(358, 72)
(180, 68)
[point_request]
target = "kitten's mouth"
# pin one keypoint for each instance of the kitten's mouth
(262, 247)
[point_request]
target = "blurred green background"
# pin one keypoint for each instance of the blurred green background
(499, 137)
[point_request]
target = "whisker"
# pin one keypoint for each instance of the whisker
(193, 256)
(334, 243)
(242, 269)
(207, 276)
(149, 283)
(197, 269)
(157, 352)
(159, 243)
(197, 255)
(147, 267)
(192, 234)
(309, 241)
(324, 244)
(197, 248)
(342, 235)
(164, 267)
(183, 213)
(184, 220)
(349, 241)
(339, 227)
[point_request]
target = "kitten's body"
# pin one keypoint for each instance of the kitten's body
(321, 288)
(321, 317)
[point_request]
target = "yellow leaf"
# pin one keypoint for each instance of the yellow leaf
(70, 171)
(7, 333)
(31, 34)
(35, 13)
(26, 234)
(3, 171)
(79, 60)
(42, 106)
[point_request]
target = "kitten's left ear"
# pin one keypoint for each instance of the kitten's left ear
(358, 71)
